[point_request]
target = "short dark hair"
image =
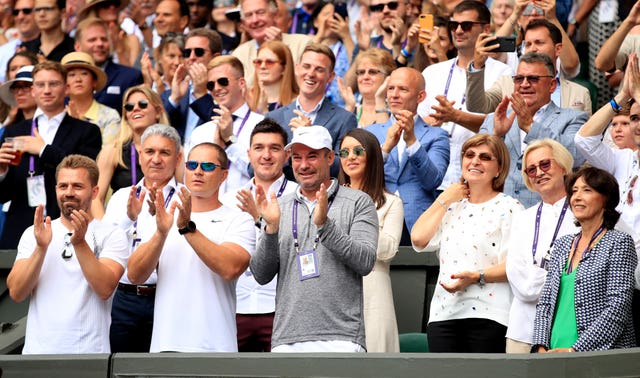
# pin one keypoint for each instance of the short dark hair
(321, 49)
(484, 14)
(269, 126)
(61, 4)
(78, 162)
(554, 32)
(605, 184)
(220, 152)
(374, 184)
(215, 41)
(534, 57)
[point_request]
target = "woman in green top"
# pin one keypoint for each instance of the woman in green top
(586, 301)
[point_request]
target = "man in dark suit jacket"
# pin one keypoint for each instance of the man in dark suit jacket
(313, 73)
(92, 38)
(46, 140)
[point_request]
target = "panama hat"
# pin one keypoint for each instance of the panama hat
(83, 60)
(23, 74)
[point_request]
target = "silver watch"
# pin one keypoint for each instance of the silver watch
(481, 281)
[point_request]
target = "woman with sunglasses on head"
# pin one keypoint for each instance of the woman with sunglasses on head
(274, 82)
(469, 223)
(586, 300)
(372, 68)
(84, 79)
(361, 167)
(118, 162)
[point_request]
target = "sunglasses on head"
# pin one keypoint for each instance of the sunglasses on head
(206, 166)
(24, 11)
(357, 151)
(483, 156)
(532, 79)
(142, 104)
(532, 170)
(465, 25)
(267, 62)
(370, 71)
(393, 5)
(199, 51)
(223, 82)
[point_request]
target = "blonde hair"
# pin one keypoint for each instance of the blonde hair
(561, 155)
(288, 85)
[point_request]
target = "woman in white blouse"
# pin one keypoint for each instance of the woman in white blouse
(362, 168)
(469, 223)
(546, 163)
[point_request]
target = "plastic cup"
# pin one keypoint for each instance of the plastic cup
(17, 145)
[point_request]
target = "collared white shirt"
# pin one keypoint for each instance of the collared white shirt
(311, 205)
(48, 127)
(311, 114)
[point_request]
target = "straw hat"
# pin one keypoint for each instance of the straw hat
(23, 74)
(84, 12)
(83, 60)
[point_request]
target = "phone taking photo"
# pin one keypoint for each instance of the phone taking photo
(426, 24)
(505, 44)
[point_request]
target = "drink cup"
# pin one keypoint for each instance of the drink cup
(17, 146)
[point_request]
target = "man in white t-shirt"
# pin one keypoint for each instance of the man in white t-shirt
(69, 267)
(198, 257)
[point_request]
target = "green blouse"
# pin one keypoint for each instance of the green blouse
(564, 331)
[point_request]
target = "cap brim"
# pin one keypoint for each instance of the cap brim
(315, 145)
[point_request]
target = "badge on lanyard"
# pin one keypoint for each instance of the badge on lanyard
(36, 191)
(308, 265)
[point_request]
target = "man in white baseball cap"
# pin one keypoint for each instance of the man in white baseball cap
(320, 240)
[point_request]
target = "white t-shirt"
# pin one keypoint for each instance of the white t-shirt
(65, 314)
(195, 309)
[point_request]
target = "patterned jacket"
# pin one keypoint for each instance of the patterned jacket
(604, 286)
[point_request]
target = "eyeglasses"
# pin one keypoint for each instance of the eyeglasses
(206, 166)
(632, 183)
(44, 9)
(370, 72)
(532, 170)
(222, 81)
(267, 62)
(357, 151)
(532, 79)
(44, 84)
(19, 88)
(465, 25)
(483, 156)
(67, 252)
(25, 11)
(393, 5)
(199, 51)
(142, 104)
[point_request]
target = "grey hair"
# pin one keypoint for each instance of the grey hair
(165, 131)
(533, 57)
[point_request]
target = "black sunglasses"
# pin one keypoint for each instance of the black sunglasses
(199, 51)
(25, 11)
(142, 104)
(223, 82)
(393, 5)
(206, 166)
(465, 25)
(532, 79)
(67, 252)
(483, 156)
(532, 170)
(344, 152)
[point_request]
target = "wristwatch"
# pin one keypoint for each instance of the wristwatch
(190, 227)
(232, 139)
(573, 21)
(481, 281)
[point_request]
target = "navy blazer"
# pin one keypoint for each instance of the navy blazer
(419, 175)
(119, 79)
(73, 137)
(604, 285)
(337, 120)
(203, 107)
(556, 123)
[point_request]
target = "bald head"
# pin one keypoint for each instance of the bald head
(405, 90)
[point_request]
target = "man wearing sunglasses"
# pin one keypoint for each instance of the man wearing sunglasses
(69, 268)
(25, 23)
(231, 119)
(446, 103)
(199, 247)
(53, 43)
(320, 241)
(190, 82)
(391, 22)
(259, 21)
(528, 115)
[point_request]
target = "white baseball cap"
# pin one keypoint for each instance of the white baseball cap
(315, 137)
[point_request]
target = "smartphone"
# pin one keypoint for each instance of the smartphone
(426, 23)
(341, 9)
(505, 44)
(233, 14)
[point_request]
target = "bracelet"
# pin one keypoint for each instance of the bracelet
(406, 54)
(441, 203)
(614, 105)
(385, 111)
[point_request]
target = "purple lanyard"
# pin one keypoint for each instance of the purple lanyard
(586, 250)
(446, 88)
(32, 161)
(294, 225)
(134, 159)
(536, 231)
(244, 120)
